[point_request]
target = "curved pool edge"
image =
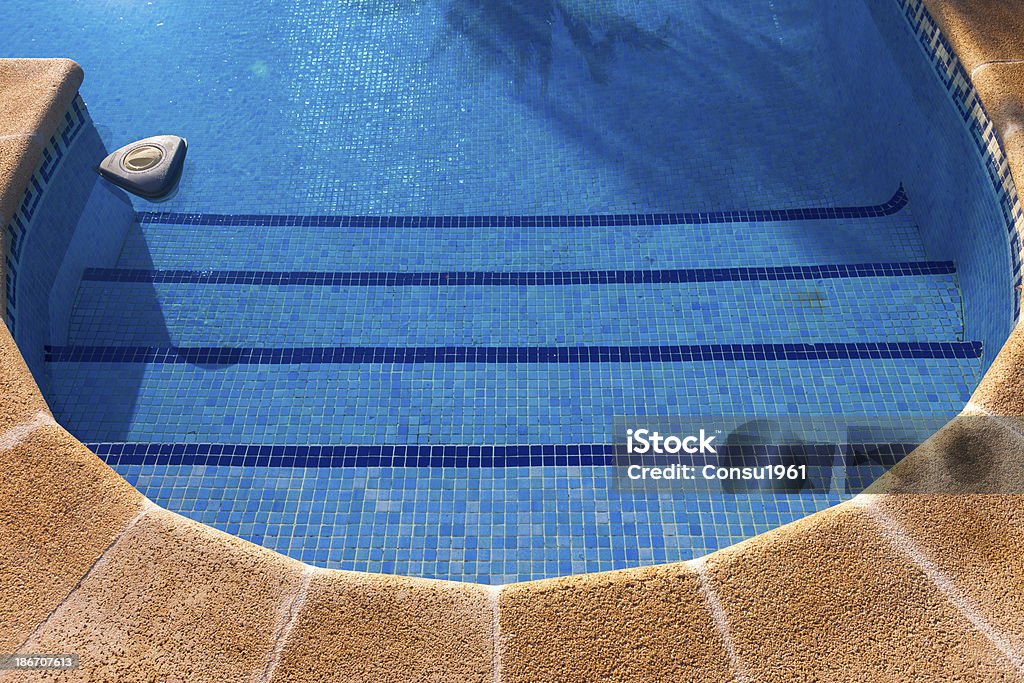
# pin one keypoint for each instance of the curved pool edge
(882, 586)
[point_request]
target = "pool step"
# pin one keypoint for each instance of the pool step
(431, 397)
(681, 306)
(245, 243)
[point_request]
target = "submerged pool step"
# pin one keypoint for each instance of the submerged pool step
(441, 455)
(860, 302)
(252, 246)
(348, 355)
(552, 400)
(893, 205)
(470, 523)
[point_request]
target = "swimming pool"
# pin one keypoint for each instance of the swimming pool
(425, 253)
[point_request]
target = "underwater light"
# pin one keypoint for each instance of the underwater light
(149, 168)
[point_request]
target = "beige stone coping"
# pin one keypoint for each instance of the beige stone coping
(892, 586)
(981, 32)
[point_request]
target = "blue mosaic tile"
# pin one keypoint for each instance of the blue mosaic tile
(519, 355)
(895, 204)
(895, 238)
(529, 278)
(957, 82)
(478, 403)
(442, 455)
(20, 226)
(782, 308)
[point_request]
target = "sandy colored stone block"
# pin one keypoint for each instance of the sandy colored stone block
(34, 93)
(976, 541)
(1001, 87)
(19, 157)
(972, 454)
(174, 600)
(650, 624)
(20, 399)
(981, 30)
(381, 629)
(829, 599)
(60, 508)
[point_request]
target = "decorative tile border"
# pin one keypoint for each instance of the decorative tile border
(22, 224)
(528, 278)
(447, 455)
(895, 204)
(532, 354)
(957, 81)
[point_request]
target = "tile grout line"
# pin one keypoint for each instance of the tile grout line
(147, 506)
(900, 540)
(287, 617)
(719, 619)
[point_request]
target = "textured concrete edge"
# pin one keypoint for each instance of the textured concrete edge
(981, 32)
(529, 631)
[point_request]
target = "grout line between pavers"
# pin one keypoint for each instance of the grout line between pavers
(993, 62)
(1004, 420)
(289, 615)
(147, 506)
(720, 620)
(13, 437)
(33, 137)
(891, 531)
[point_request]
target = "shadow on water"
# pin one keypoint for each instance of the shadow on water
(520, 36)
(146, 321)
(97, 402)
(81, 222)
(714, 98)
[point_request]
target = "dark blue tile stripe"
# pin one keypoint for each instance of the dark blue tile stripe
(578, 277)
(542, 354)
(534, 455)
(895, 204)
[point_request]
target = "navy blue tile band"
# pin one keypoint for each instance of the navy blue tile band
(895, 204)
(541, 354)
(534, 455)
(579, 277)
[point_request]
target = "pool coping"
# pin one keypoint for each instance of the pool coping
(885, 586)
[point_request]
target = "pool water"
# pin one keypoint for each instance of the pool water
(425, 252)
